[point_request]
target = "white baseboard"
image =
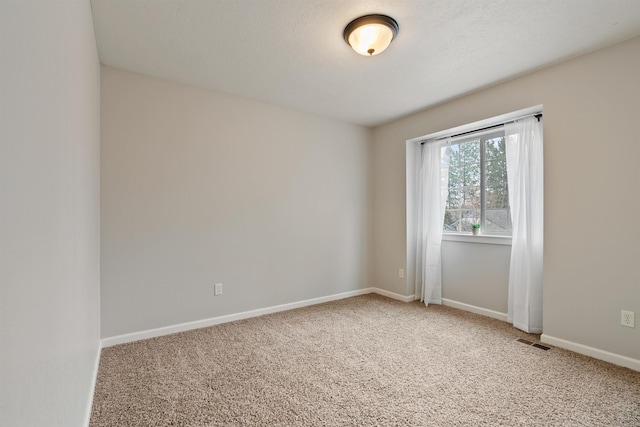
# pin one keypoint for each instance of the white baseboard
(94, 380)
(151, 333)
(182, 327)
(596, 353)
(393, 295)
(474, 309)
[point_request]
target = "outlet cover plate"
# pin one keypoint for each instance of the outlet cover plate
(627, 318)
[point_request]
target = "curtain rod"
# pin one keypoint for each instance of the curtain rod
(536, 115)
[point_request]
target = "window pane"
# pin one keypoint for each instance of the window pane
(469, 217)
(496, 198)
(455, 177)
(497, 216)
(454, 159)
(496, 173)
(471, 174)
(454, 201)
(465, 192)
(471, 197)
(494, 148)
(470, 151)
(451, 220)
(498, 221)
(454, 153)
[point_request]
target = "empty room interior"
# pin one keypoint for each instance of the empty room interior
(226, 212)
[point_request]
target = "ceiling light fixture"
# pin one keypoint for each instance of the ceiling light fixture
(371, 34)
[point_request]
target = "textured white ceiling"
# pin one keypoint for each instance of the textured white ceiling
(291, 52)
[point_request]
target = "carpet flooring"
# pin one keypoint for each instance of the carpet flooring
(362, 361)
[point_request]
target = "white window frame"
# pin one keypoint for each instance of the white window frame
(482, 135)
(412, 153)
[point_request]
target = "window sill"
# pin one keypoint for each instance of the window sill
(482, 238)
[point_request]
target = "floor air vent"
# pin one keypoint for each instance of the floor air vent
(540, 346)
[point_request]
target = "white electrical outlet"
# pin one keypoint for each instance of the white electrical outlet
(627, 318)
(401, 273)
(217, 289)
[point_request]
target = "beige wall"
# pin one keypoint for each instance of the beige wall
(49, 213)
(199, 187)
(591, 110)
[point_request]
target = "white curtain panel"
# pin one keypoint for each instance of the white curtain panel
(432, 197)
(526, 199)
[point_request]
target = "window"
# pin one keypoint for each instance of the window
(461, 174)
(478, 191)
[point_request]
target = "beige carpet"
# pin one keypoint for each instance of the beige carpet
(363, 361)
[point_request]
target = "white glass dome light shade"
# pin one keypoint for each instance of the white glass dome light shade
(370, 39)
(370, 35)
